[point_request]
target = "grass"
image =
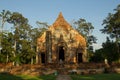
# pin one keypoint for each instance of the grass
(6, 76)
(96, 77)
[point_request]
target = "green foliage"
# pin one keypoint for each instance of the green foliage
(108, 51)
(26, 52)
(42, 27)
(112, 28)
(97, 56)
(112, 24)
(17, 19)
(85, 28)
(22, 38)
(20, 45)
(7, 42)
(4, 16)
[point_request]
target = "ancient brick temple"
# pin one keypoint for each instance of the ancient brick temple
(61, 43)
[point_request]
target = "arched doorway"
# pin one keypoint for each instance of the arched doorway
(80, 58)
(61, 53)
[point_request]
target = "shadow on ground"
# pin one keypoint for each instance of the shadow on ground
(8, 76)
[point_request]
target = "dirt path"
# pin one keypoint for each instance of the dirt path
(63, 77)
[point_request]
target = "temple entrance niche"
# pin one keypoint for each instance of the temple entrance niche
(61, 53)
(80, 57)
(43, 58)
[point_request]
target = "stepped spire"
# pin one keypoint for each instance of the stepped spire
(60, 21)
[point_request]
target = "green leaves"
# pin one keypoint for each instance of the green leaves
(4, 15)
(86, 28)
(20, 45)
(17, 19)
(112, 24)
(112, 28)
(7, 43)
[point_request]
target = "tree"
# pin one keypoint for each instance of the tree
(112, 26)
(34, 34)
(43, 26)
(98, 56)
(86, 29)
(7, 42)
(108, 51)
(26, 53)
(27, 43)
(4, 15)
(17, 20)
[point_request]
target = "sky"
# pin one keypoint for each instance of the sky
(93, 11)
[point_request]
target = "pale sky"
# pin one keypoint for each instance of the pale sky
(94, 11)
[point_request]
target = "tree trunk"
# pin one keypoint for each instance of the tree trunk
(1, 31)
(117, 45)
(32, 60)
(36, 58)
(14, 53)
(7, 58)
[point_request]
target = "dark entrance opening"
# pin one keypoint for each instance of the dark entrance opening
(80, 58)
(61, 53)
(42, 57)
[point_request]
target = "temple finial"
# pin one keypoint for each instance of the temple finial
(60, 16)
